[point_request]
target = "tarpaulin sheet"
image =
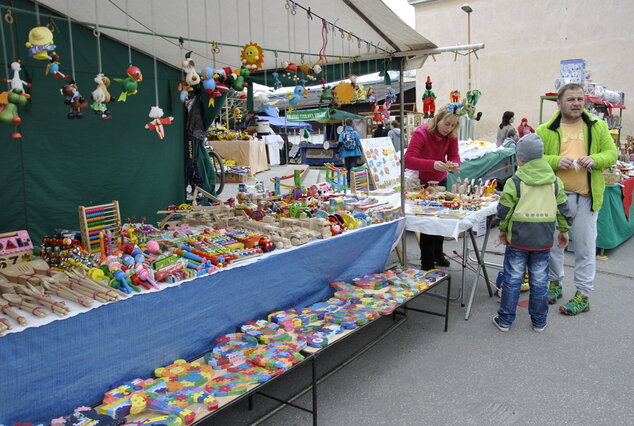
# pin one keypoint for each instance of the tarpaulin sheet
(473, 169)
(46, 372)
(612, 225)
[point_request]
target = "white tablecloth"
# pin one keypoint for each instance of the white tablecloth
(447, 227)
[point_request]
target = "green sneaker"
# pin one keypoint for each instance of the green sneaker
(579, 303)
(554, 292)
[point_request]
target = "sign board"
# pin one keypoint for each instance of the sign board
(384, 163)
(309, 115)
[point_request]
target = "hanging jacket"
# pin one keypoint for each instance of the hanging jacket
(532, 205)
(600, 146)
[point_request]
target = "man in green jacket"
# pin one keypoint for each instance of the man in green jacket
(577, 147)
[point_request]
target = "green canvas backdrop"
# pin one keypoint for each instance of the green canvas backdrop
(60, 164)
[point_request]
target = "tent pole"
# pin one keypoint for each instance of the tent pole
(402, 107)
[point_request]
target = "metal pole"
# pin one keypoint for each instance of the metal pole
(402, 112)
(469, 42)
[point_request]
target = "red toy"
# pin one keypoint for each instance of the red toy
(429, 100)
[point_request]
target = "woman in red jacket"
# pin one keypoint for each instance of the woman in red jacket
(433, 152)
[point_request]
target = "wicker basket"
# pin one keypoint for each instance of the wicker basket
(611, 176)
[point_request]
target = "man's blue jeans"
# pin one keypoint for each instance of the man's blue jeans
(516, 262)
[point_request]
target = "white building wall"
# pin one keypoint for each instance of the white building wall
(524, 42)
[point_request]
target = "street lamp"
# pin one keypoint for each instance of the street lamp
(467, 8)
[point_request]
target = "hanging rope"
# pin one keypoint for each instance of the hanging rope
(264, 37)
(189, 40)
(156, 94)
(70, 38)
(127, 25)
(288, 27)
(97, 34)
(308, 19)
(37, 13)
(250, 21)
(4, 54)
(9, 18)
(238, 21)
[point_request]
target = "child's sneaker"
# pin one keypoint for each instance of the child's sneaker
(499, 325)
(554, 292)
(579, 303)
(539, 329)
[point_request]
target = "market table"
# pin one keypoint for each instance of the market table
(613, 226)
(450, 227)
(250, 153)
(47, 371)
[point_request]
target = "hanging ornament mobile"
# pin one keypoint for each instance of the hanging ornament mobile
(41, 43)
(156, 113)
(129, 84)
(70, 91)
(100, 96)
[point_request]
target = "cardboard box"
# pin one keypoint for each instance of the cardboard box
(235, 178)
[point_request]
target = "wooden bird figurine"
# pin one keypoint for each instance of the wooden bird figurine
(130, 83)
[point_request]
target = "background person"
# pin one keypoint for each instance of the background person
(524, 128)
(577, 147)
(395, 135)
(505, 126)
(433, 152)
(349, 146)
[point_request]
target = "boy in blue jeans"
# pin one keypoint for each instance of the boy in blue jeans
(532, 205)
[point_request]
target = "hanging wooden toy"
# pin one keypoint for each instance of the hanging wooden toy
(73, 99)
(454, 96)
(52, 67)
(429, 100)
(40, 43)
(156, 113)
(129, 84)
(240, 75)
(16, 82)
(209, 84)
(9, 103)
(191, 76)
(471, 100)
(158, 121)
(101, 97)
(294, 98)
(252, 57)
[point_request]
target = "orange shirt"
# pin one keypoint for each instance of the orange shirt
(573, 145)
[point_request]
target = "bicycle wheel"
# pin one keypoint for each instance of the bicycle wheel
(219, 167)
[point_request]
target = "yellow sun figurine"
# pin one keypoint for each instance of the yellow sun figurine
(252, 56)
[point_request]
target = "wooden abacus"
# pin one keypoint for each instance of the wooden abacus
(96, 220)
(359, 180)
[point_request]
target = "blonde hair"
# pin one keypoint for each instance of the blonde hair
(438, 117)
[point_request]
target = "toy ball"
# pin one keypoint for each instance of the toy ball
(139, 258)
(136, 251)
(127, 260)
(153, 247)
(114, 265)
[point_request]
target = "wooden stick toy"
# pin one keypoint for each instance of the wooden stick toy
(6, 309)
(20, 303)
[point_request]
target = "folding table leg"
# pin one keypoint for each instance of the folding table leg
(481, 266)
